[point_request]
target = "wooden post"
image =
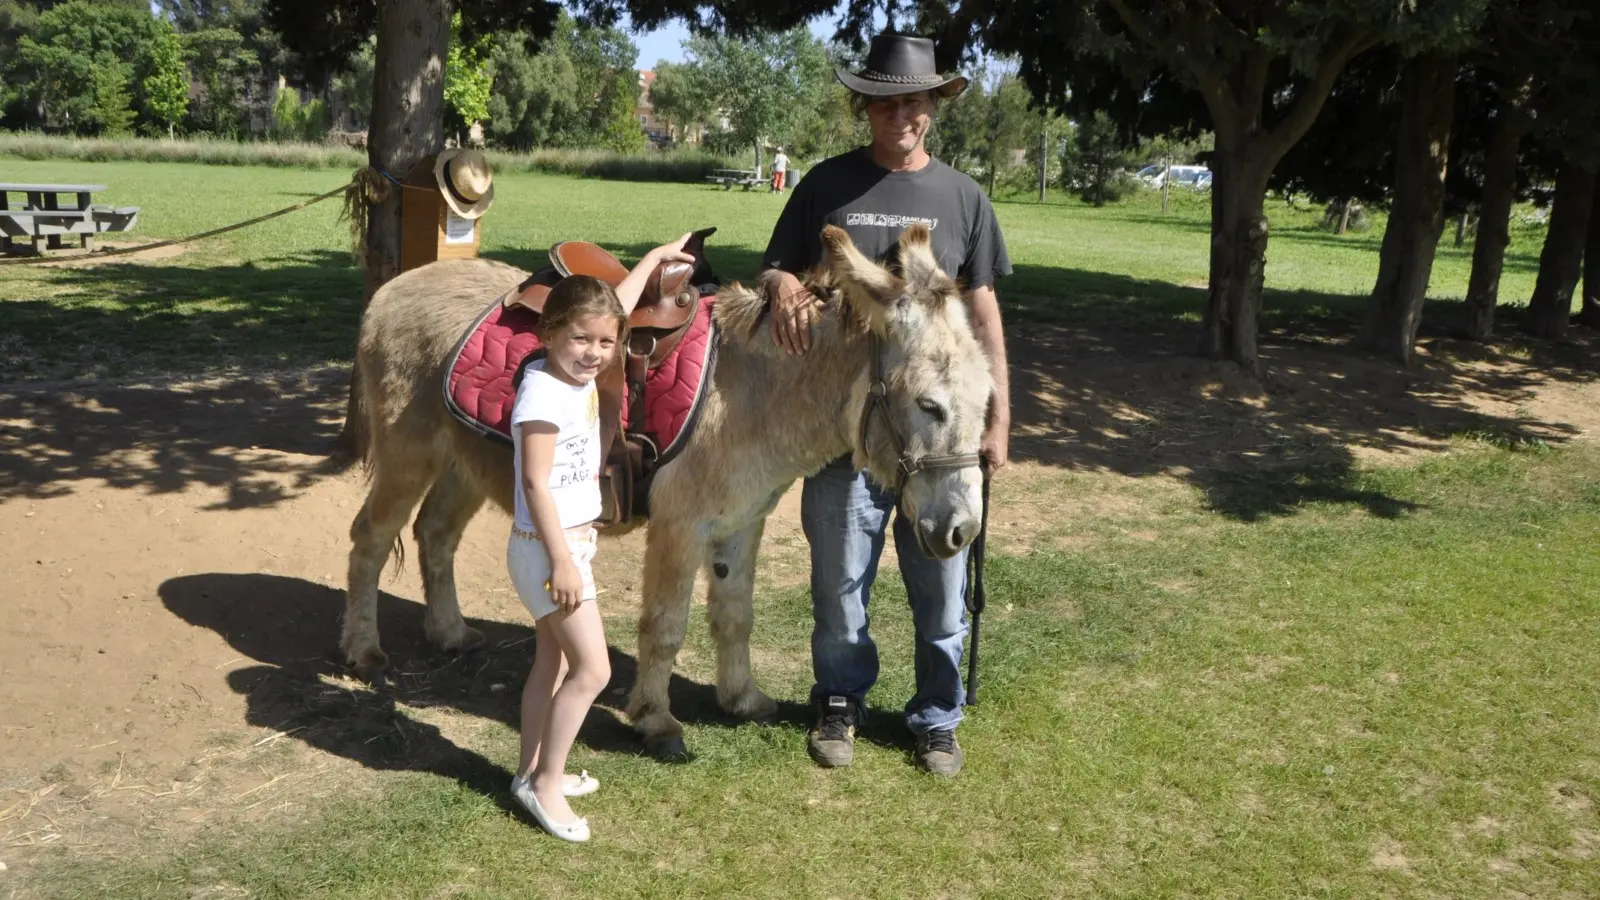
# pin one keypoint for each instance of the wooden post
(1166, 182)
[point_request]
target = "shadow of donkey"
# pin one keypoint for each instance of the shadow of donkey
(289, 626)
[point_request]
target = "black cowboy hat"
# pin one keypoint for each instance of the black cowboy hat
(900, 64)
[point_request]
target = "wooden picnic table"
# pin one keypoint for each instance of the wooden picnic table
(730, 177)
(42, 217)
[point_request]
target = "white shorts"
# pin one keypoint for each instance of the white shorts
(529, 565)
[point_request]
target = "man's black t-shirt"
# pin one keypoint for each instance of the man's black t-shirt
(873, 205)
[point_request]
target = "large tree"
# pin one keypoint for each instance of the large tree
(1561, 259)
(1262, 71)
(679, 97)
(1416, 208)
(236, 57)
(1589, 315)
(764, 84)
(980, 131)
(166, 86)
(1568, 123)
(579, 90)
(1539, 55)
(535, 100)
(81, 64)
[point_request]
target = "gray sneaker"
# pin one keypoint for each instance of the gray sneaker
(938, 752)
(832, 741)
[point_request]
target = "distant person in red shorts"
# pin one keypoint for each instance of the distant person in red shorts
(780, 170)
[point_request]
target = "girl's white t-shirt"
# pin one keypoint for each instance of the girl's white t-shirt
(575, 471)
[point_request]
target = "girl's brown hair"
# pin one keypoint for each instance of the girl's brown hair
(580, 296)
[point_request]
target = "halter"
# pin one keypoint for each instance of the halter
(878, 398)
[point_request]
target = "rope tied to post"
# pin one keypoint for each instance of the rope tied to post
(369, 187)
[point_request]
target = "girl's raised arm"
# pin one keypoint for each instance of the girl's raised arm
(633, 286)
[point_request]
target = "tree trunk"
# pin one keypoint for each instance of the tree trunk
(1416, 219)
(1238, 253)
(1345, 206)
(1044, 163)
(1590, 314)
(1461, 230)
(1494, 220)
(1561, 261)
(407, 124)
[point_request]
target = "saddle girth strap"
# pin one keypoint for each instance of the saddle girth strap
(638, 369)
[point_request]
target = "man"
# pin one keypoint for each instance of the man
(873, 193)
(780, 170)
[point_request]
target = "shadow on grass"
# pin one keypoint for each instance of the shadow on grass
(278, 317)
(290, 627)
(1103, 377)
(145, 319)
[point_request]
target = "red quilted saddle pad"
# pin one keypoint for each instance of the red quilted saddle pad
(480, 392)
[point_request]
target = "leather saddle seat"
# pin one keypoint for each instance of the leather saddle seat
(666, 307)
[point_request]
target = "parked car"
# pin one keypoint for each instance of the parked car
(1195, 178)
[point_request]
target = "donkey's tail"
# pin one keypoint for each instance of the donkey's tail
(353, 444)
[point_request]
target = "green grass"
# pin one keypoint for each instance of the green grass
(1335, 705)
(286, 292)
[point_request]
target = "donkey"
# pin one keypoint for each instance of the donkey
(894, 377)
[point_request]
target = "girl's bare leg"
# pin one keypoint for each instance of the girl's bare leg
(549, 667)
(582, 639)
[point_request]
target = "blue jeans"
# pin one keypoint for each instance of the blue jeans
(845, 517)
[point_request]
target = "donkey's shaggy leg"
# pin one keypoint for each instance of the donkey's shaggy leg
(730, 609)
(673, 553)
(393, 494)
(445, 512)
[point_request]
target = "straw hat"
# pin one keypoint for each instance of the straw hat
(466, 182)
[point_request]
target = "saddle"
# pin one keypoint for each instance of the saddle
(669, 308)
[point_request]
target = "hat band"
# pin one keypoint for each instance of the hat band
(901, 79)
(450, 185)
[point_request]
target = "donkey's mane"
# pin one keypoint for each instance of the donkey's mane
(741, 312)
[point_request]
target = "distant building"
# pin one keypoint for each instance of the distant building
(660, 130)
(645, 111)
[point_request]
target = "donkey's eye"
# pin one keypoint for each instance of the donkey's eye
(932, 408)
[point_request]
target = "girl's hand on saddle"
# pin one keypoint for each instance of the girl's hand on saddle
(632, 287)
(674, 251)
(566, 585)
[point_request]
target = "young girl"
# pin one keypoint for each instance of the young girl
(555, 430)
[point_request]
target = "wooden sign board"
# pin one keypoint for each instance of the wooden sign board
(429, 229)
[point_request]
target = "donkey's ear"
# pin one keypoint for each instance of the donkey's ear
(916, 255)
(851, 269)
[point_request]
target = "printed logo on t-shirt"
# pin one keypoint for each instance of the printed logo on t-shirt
(884, 220)
(574, 463)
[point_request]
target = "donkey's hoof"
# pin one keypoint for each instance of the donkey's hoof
(464, 640)
(369, 665)
(667, 748)
(753, 707)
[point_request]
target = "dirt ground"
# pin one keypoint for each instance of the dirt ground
(175, 555)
